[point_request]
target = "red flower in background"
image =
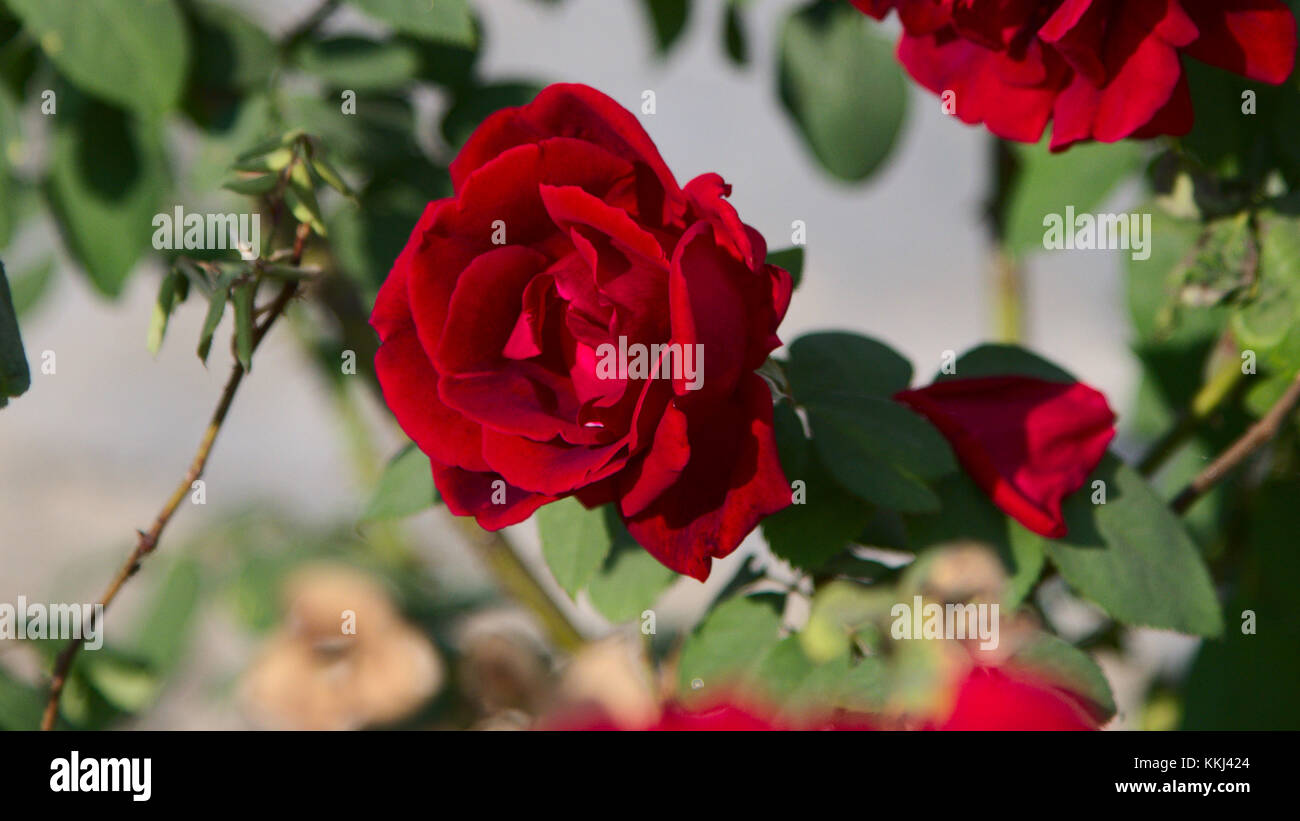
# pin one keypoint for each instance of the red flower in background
(1027, 442)
(567, 233)
(987, 698)
(993, 699)
(1098, 69)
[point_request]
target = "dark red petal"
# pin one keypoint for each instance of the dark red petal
(734, 480)
(469, 493)
(991, 699)
(1255, 38)
(706, 297)
(1027, 442)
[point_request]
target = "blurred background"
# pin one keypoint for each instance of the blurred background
(212, 632)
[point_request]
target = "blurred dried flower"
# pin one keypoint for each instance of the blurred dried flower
(343, 660)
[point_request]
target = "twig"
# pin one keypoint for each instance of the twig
(147, 542)
(1256, 437)
(1220, 388)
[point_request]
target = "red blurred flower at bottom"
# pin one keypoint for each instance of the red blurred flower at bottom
(1027, 442)
(986, 699)
(992, 699)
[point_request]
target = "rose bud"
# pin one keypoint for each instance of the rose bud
(1027, 442)
(1098, 69)
(571, 322)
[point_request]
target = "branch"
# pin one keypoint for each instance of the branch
(1221, 387)
(1256, 437)
(147, 542)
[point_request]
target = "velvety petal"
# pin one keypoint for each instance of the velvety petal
(1254, 38)
(1027, 442)
(474, 494)
(942, 62)
(484, 308)
(407, 377)
(706, 298)
(658, 468)
(733, 480)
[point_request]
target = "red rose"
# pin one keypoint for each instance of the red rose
(1027, 442)
(1099, 69)
(993, 699)
(568, 242)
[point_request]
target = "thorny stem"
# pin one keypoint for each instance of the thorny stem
(147, 541)
(1256, 437)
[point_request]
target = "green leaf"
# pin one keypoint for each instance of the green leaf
(160, 639)
(30, 286)
(827, 522)
(575, 542)
(843, 87)
(255, 185)
(1047, 183)
(1133, 557)
(405, 487)
(15, 378)
(107, 180)
(125, 682)
(799, 685)
(230, 51)
(879, 450)
(1270, 322)
(835, 361)
(630, 581)
(1056, 661)
(668, 19)
(21, 705)
(171, 291)
(734, 38)
(359, 63)
(131, 52)
(216, 309)
(1004, 360)
(728, 644)
(242, 298)
(448, 21)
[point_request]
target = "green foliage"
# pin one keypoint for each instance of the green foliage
(1047, 183)
(404, 489)
(879, 450)
(840, 83)
(667, 20)
(14, 375)
(133, 53)
(591, 550)
(1056, 661)
(1133, 557)
(575, 542)
(448, 21)
(108, 178)
(728, 645)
